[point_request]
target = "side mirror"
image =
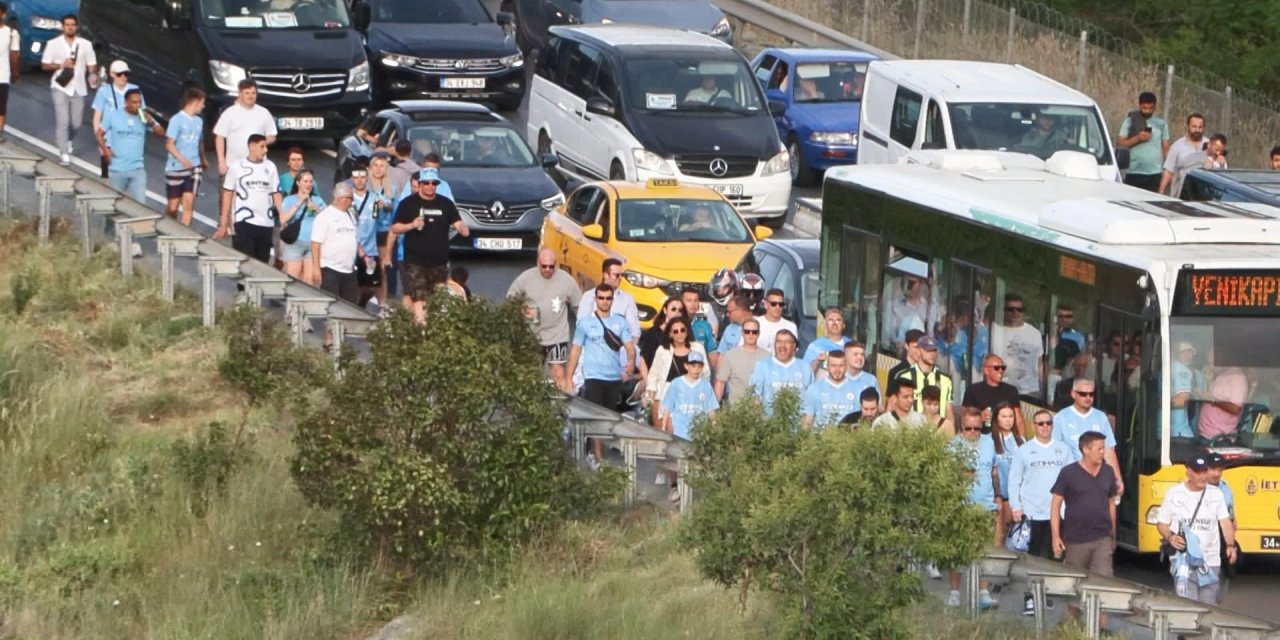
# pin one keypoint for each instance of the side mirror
(763, 233)
(362, 15)
(593, 231)
(775, 94)
(549, 160)
(777, 107)
(506, 18)
(1122, 159)
(601, 106)
(176, 15)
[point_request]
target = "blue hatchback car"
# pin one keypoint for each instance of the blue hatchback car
(39, 21)
(822, 89)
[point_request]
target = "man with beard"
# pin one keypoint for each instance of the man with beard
(1147, 138)
(1183, 156)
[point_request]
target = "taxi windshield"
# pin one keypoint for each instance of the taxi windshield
(469, 144)
(1229, 367)
(680, 221)
(275, 14)
(683, 84)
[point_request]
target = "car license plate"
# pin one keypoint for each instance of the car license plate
(1271, 543)
(727, 189)
(462, 83)
(500, 244)
(297, 124)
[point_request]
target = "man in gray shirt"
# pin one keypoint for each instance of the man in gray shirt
(548, 294)
(1183, 156)
(737, 364)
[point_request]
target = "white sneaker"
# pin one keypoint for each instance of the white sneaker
(374, 301)
(136, 250)
(592, 463)
(1028, 605)
(660, 478)
(953, 600)
(384, 312)
(64, 158)
(933, 572)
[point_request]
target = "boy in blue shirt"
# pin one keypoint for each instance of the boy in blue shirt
(782, 371)
(1080, 418)
(833, 397)
(122, 142)
(184, 142)
(981, 452)
(688, 397)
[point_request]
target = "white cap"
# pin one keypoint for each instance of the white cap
(119, 66)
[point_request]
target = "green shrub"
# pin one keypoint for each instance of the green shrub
(23, 286)
(205, 463)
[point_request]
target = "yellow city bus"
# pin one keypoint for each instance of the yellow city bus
(1116, 284)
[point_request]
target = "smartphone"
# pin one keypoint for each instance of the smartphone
(1148, 129)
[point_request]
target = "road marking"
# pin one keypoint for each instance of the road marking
(96, 171)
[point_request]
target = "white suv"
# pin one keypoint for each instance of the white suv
(631, 103)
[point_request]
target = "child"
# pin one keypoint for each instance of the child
(931, 399)
(184, 143)
(687, 397)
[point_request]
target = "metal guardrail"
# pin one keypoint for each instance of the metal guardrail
(794, 28)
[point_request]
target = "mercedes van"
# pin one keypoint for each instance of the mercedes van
(623, 102)
(910, 105)
(309, 62)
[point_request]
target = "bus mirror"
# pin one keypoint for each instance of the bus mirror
(1122, 159)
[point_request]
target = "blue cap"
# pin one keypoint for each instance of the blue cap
(1198, 463)
(927, 343)
(694, 356)
(428, 173)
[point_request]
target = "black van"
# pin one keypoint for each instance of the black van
(309, 62)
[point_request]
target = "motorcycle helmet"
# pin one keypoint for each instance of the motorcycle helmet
(752, 285)
(723, 285)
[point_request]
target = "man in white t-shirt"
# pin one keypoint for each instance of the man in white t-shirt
(237, 122)
(1198, 508)
(68, 51)
(772, 321)
(249, 191)
(335, 249)
(8, 63)
(1021, 345)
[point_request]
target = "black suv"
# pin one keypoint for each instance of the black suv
(441, 49)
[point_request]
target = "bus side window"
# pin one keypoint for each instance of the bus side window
(908, 299)
(964, 330)
(1070, 339)
(859, 286)
(1017, 337)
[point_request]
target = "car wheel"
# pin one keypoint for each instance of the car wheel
(801, 175)
(616, 172)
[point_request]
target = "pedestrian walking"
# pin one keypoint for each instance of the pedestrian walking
(245, 117)
(855, 357)
(597, 343)
(833, 338)
(671, 361)
(1070, 425)
(73, 67)
(369, 277)
(1082, 513)
(911, 353)
(736, 366)
(10, 62)
(831, 397)
(624, 305)
(335, 247)
(925, 373)
(865, 416)
(298, 214)
(1032, 474)
(980, 451)
(184, 140)
(1193, 521)
(550, 296)
(772, 322)
(110, 97)
(122, 141)
(250, 190)
(1217, 464)
(425, 219)
(1180, 158)
(386, 202)
(783, 371)
(651, 339)
(294, 162)
(931, 409)
(1216, 153)
(1147, 139)
(701, 322)
(1007, 440)
(900, 400)
(687, 398)
(993, 390)
(404, 154)
(737, 310)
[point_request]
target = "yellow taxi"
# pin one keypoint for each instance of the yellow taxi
(668, 236)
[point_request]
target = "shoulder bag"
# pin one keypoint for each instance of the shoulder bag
(610, 338)
(293, 228)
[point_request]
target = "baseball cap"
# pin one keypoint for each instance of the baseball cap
(428, 174)
(1216, 460)
(694, 356)
(1198, 463)
(1185, 346)
(119, 66)
(927, 343)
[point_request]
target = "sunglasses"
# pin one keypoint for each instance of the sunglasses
(121, 74)
(750, 332)
(1044, 423)
(1083, 394)
(605, 298)
(433, 183)
(775, 303)
(971, 429)
(998, 367)
(546, 267)
(677, 332)
(1013, 309)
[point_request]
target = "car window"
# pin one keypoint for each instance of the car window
(935, 134)
(606, 86)
(580, 209)
(906, 116)
(769, 266)
(471, 144)
(690, 82)
(779, 78)
(679, 220)
(240, 14)
(579, 67)
(549, 58)
(786, 280)
(765, 70)
(836, 81)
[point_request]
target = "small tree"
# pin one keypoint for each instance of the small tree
(447, 443)
(828, 520)
(263, 362)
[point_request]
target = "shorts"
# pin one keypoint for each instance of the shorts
(557, 353)
(4, 99)
(1041, 539)
(294, 252)
(179, 183)
(343, 285)
(1091, 556)
(604, 393)
(420, 282)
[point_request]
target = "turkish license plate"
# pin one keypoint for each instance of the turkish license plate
(500, 244)
(727, 189)
(298, 124)
(1271, 543)
(462, 83)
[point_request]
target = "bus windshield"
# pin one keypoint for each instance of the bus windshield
(1037, 129)
(1226, 385)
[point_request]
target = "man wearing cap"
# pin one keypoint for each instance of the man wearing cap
(110, 97)
(1218, 464)
(424, 219)
(925, 373)
(911, 344)
(1192, 516)
(1183, 386)
(548, 294)
(687, 397)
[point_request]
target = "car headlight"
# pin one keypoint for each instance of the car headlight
(550, 204)
(650, 161)
(1152, 513)
(834, 137)
(513, 61)
(722, 29)
(780, 163)
(606, 21)
(397, 59)
(41, 22)
(227, 76)
(644, 280)
(358, 77)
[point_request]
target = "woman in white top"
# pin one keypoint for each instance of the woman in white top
(670, 360)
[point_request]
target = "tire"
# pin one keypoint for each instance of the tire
(801, 175)
(616, 172)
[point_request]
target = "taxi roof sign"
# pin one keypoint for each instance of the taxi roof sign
(662, 183)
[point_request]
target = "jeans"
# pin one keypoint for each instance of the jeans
(132, 183)
(68, 117)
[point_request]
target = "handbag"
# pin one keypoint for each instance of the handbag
(611, 339)
(293, 228)
(1019, 538)
(65, 75)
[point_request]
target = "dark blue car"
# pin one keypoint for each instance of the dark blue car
(822, 89)
(39, 21)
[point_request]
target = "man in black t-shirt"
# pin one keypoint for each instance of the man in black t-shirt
(424, 219)
(992, 391)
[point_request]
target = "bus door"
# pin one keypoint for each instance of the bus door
(965, 329)
(859, 293)
(1127, 360)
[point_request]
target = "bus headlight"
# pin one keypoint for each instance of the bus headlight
(1151, 514)
(780, 163)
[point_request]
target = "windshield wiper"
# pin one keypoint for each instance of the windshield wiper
(698, 106)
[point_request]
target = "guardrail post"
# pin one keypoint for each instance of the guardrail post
(964, 28)
(6, 172)
(1226, 115)
(920, 9)
(974, 582)
(629, 458)
(1168, 91)
(124, 237)
(208, 301)
(166, 250)
(1082, 60)
(1093, 614)
(1160, 624)
(42, 200)
(866, 19)
(1013, 18)
(1038, 599)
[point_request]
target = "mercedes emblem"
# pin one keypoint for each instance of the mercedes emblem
(460, 64)
(300, 82)
(719, 167)
(497, 209)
